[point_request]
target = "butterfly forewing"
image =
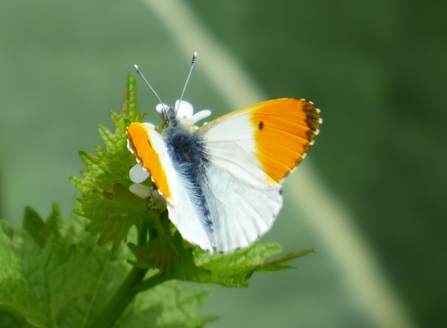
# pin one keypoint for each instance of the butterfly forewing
(263, 143)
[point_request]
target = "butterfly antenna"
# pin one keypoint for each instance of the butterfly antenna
(148, 84)
(193, 61)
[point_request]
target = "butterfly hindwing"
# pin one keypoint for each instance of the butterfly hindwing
(240, 212)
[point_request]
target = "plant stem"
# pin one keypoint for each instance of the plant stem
(120, 300)
(153, 281)
(125, 292)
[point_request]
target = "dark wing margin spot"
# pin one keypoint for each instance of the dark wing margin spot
(261, 125)
(312, 118)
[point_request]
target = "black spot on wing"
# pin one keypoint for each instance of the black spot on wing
(261, 125)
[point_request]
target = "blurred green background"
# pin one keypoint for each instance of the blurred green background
(377, 70)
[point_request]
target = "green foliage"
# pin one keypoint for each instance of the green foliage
(37, 228)
(111, 215)
(66, 283)
(55, 274)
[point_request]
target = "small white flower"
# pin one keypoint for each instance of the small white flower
(140, 190)
(197, 117)
(138, 174)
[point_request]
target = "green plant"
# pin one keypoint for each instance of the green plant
(55, 274)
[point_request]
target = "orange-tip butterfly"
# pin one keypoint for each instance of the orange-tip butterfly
(222, 182)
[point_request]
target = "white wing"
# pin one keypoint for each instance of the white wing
(240, 211)
(231, 145)
(242, 199)
(250, 153)
(183, 214)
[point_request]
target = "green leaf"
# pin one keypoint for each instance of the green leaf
(278, 264)
(10, 320)
(158, 253)
(235, 269)
(167, 305)
(37, 228)
(104, 200)
(231, 270)
(111, 214)
(185, 268)
(40, 284)
(67, 282)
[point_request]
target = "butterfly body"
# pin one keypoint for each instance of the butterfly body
(223, 182)
(190, 160)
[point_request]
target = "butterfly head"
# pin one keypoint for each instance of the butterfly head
(179, 116)
(182, 113)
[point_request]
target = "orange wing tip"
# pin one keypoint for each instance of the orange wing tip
(284, 130)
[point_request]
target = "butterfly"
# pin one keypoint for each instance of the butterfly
(222, 182)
